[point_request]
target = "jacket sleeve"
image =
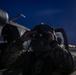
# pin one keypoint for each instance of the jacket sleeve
(11, 53)
(63, 60)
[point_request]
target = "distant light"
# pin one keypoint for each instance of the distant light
(73, 46)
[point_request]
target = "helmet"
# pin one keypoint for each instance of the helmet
(41, 44)
(40, 28)
(43, 27)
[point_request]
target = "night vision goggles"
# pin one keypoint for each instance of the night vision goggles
(39, 35)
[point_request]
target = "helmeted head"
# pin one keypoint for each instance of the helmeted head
(40, 41)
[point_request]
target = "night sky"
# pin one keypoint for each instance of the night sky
(56, 13)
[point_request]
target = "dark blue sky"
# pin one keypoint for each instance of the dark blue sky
(56, 13)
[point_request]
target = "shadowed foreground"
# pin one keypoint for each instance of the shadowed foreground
(21, 74)
(73, 51)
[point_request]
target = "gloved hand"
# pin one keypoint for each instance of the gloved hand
(27, 36)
